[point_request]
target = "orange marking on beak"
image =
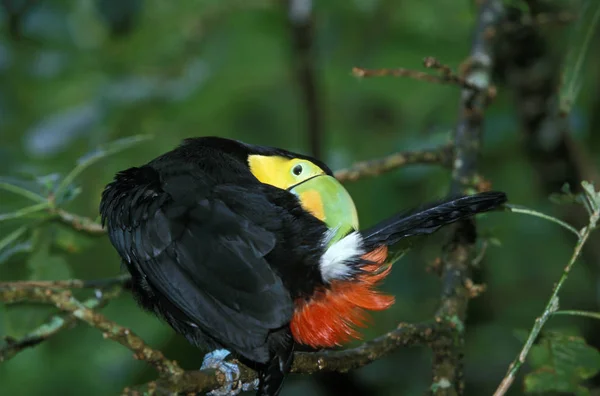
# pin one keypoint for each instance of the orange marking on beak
(330, 316)
(312, 202)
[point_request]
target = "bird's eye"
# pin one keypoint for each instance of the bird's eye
(297, 170)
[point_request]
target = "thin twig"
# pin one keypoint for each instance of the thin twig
(91, 158)
(80, 223)
(200, 381)
(447, 77)
(24, 211)
(67, 284)
(67, 303)
(551, 308)
(54, 325)
(530, 212)
(376, 167)
(447, 74)
(13, 188)
(400, 72)
(587, 314)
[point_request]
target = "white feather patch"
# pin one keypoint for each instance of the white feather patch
(335, 263)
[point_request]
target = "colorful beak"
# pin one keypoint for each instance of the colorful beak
(326, 198)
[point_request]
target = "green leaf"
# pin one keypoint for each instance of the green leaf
(592, 195)
(9, 245)
(23, 188)
(24, 211)
(561, 363)
(48, 182)
(566, 196)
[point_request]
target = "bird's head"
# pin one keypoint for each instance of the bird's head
(313, 183)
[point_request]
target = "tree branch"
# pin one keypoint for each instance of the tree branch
(67, 284)
(199, 381)
(447, 76)
(79, 223)
(67, 303)
(54, 325)
(458, 253)
(376, 167)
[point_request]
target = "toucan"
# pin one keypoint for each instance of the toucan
(257, 249)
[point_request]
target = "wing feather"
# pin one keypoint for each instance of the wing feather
(195, 251)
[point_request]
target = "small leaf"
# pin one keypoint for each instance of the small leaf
(48, 182)
(592, 195)
(23, 247)
(24, 211)
(494, 241)
(23, 188)
(12, 237)
(566, 196)
(561, 363)
(10, 246)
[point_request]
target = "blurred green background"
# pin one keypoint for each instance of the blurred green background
(74, 75)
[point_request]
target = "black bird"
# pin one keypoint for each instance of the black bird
(256, 249)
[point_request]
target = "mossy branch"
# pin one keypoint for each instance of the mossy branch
(406, 335)
(459, 252)
(55, 324)
(65, 301)
(379, 166)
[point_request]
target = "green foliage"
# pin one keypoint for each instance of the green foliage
(50, 191)
(561, 363)
(11, 244)
(86, 73)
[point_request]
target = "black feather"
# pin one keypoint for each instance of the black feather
(426, 220)
(217, 254)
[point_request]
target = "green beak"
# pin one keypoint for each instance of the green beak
(326, 198)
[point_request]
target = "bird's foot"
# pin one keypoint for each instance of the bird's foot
(231, 371)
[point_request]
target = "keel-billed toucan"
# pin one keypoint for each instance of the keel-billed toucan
(256, 249)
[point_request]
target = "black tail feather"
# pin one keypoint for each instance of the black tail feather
(272, 374)
(427, 220)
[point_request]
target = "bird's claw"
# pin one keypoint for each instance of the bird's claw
(231, 371)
